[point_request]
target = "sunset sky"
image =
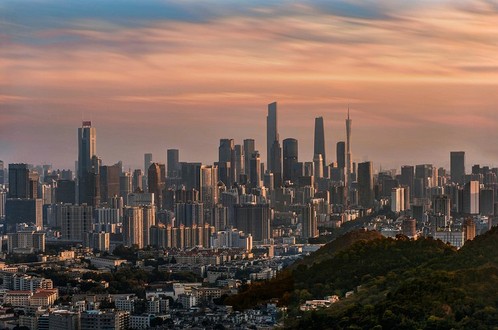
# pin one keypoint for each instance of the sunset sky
(420, 77)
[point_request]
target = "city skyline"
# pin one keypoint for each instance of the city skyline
(150, 78)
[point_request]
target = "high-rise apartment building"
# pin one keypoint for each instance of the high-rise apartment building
(19, 181)
(133, 230)
(253, 219)
(76, 220)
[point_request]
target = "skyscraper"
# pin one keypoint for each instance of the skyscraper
(290, 158)
(255, 170)
(341, 154)
(276, 168)
(238, 162)
(147, 163)
(173, 161)
(18, 181)
(319, 145)
(365, 184)
(349, 161)
(154, 182)
(87, 165)
(457, 167)
(271, 133)
(249, 148)
(226, 157)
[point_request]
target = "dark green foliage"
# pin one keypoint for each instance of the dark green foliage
(397, 284)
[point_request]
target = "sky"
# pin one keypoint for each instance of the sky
(420, 78)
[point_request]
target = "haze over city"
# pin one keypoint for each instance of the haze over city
(420, 78)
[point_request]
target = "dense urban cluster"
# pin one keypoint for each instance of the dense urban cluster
(105, 247)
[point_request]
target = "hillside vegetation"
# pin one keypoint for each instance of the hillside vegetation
(401, 284)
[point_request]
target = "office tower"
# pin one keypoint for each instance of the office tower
(269, 181)
(173, 162)
(255, 170)
(365, 184)
(88, 169)
(276, 164)
(76, 220)
(349, 123)
(225, 150)
(147, 162)
(249, 148)
(23, 210)
(190, 175)
(290, 156)
(309, 223)
(238, 162)
(136, 184)
(109, 182)
(65, 192)
(407, 176)
(125, 184)
(341, 154)
(133, 226)
(471, 197)
(487, 202)
(253, 219)
(18, 181)
(271, 133)
(64, 320)
(319, 145)
(226, 161)
(457, 167)
(397, 199)
(154, 182)
(318, 166)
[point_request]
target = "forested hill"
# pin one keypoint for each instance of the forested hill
(402, 284)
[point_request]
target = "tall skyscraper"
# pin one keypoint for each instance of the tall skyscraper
(271, 133)
(457, 167)
(341, 154)
(87, 165)
(133, 227)
(109, 182)
(225, 163)
(276, 164)
(290, 158)
(319, 145)
(76, 220)
(18, 181)
(239, 162)
(365, 184)
(249, 148)
(147, 163)
(255, 170)
(349, 161)
(173, 161)
(154, 182)
(137, 180)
